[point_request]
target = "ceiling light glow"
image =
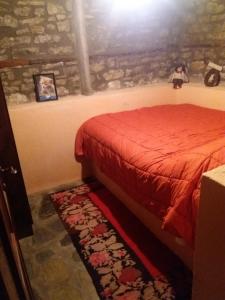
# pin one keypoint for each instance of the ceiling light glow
(128, 5)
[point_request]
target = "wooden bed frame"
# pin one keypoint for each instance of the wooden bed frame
(175, 244)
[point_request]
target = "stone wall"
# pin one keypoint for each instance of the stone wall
(37, 30)
(190, 32)
(19, 86)
(126, 48)
(128, 70)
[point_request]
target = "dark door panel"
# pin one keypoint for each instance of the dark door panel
(11, 174)
(14, 281)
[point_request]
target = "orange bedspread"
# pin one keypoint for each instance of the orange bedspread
(157, 155)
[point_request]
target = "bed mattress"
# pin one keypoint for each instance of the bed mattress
(157, 155)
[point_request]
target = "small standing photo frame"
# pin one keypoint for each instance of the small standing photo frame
(45, 87)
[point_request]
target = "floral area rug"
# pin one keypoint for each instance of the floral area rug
(124, 260)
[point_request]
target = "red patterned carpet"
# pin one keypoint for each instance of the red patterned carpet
(125, 261)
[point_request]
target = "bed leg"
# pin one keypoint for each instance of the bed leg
(209, 256)
(86, 170)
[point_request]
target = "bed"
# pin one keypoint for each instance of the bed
(152, 159)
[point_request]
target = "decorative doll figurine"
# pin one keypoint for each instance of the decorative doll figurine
(179, 76)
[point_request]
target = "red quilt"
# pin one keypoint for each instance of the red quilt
(157, 155)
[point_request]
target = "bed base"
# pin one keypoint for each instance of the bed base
(178, 246)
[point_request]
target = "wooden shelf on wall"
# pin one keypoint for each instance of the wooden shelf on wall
(10, 63)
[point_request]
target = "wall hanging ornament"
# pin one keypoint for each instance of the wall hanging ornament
(212, 77)
(179, 76)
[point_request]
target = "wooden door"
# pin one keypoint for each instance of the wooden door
(11, 174)
(14, 282)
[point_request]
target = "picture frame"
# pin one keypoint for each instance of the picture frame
(45, 87)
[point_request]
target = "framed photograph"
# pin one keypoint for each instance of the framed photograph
(45, 88)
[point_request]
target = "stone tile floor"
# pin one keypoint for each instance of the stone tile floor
(54, 267)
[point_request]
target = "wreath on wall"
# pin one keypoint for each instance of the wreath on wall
(212, 78)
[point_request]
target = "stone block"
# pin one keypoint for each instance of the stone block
(30, 71)
(8, 21)
(52, 19)
(4, 10)
(62, 91)
(42, 236)
(198, 55)
(222, 54)
(116, 84)
(186, 55)
(61, 17)
(23, 40)
(146, 60)
(54, 9)
(27, 80)
(37, 29)
(56, 38)
(71, 37)
(11, 89)
(25, 52)
(97, 67)
(197, 66)
(31, 2)
(25, 88)
(22, 11)
(76, 256)
(161, 74)
(32, 21)
(44, 255)
(128, 84)
(111, 62)
(56, 72)
(63, 26)
(10, 75)
(56, 225)
(215, 8)
(46, 209)
(217, 18)
(138, 69)
(220, 36)
(17, 98)
(39, 12)
(7, 42)
(41, 39)
(66, 241)
(72, 63)
(61, 82)
(4, 57)
(74, 81)
(51, 27)
(60, 50)
(113, 74)
(51, 66)
(65, 292)
(22, 31)
(69, 5)
(128, 72)
(32, 96)
(17, 82)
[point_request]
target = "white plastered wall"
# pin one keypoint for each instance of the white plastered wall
(45, 132)
(198, 94)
